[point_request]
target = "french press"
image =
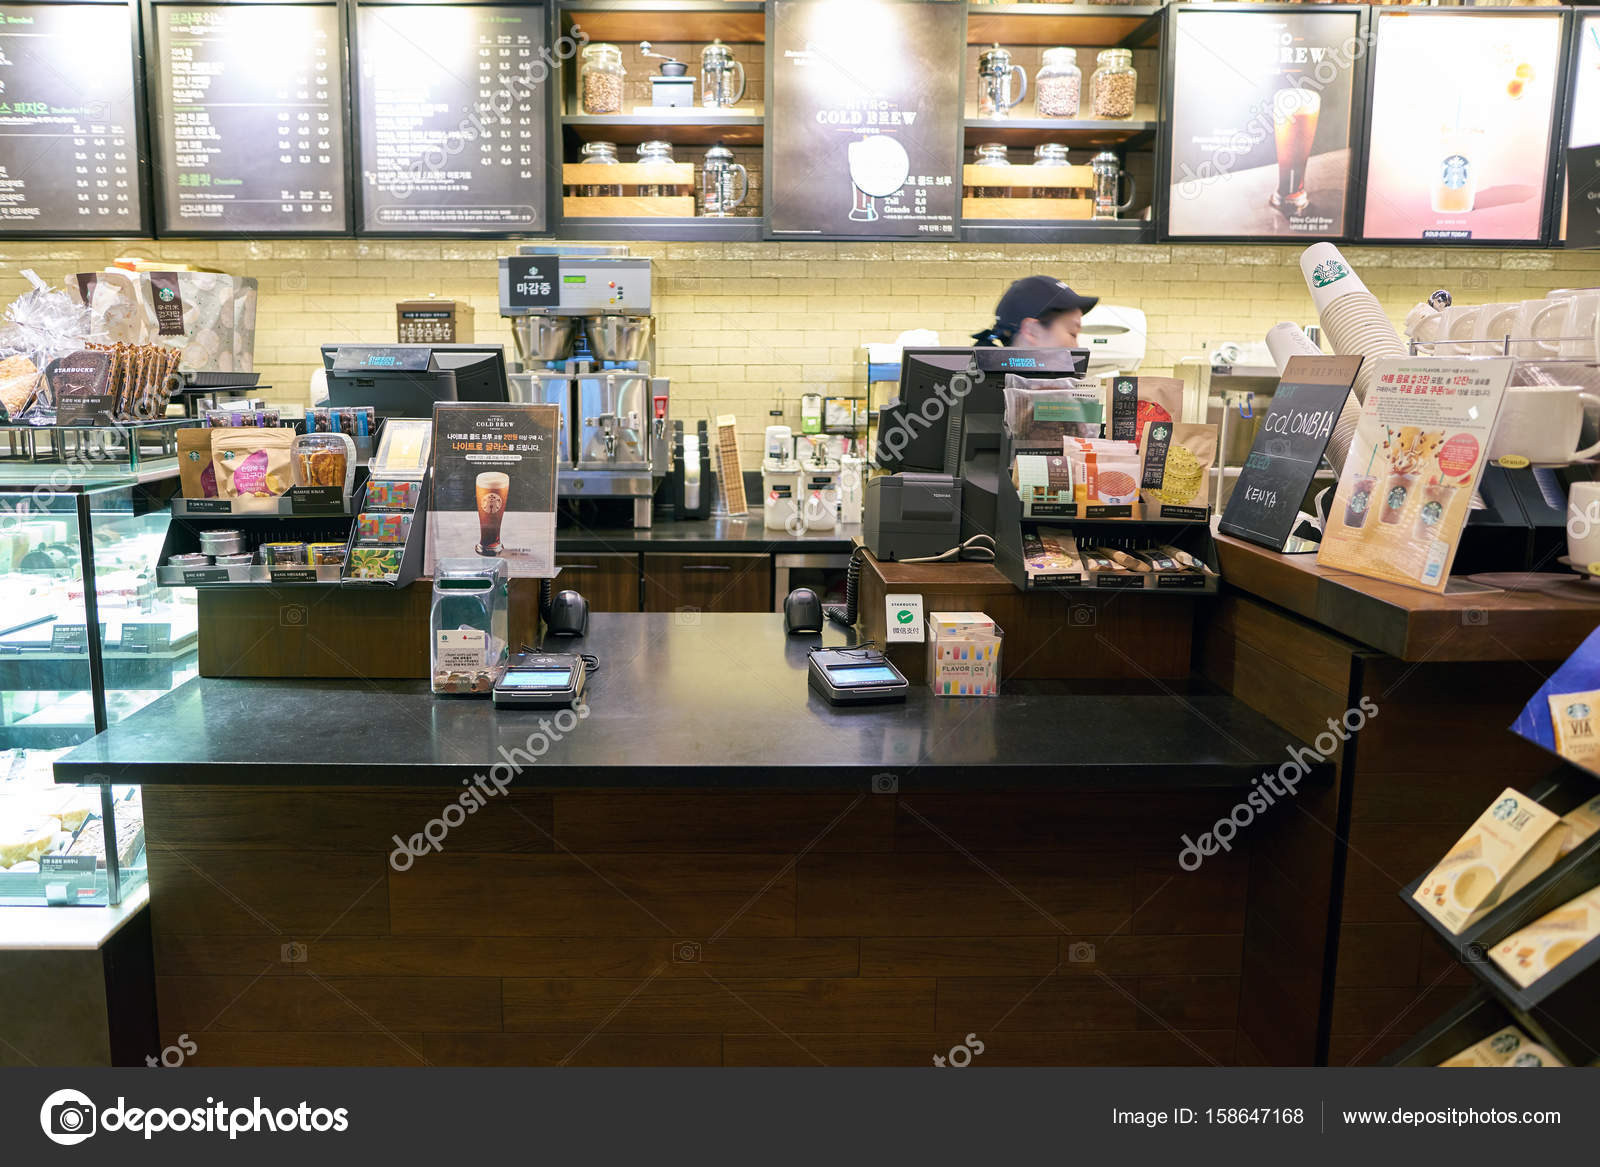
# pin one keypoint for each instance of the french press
(1108, 176)
(723, 183)
(721, 77)
(995, 74)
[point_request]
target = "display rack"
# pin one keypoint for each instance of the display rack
(1561, 1009)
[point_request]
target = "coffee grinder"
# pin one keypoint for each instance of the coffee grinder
(580, 317)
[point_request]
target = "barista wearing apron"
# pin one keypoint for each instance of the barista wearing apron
(1037, 312)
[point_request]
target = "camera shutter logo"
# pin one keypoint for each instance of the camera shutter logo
(68, 1117)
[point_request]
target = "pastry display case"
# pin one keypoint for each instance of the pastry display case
(86, 639)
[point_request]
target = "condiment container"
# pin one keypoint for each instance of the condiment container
(224, 542)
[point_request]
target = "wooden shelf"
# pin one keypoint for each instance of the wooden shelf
(1078, 132)
(1080, 25)
(668, 21)
(684, 127)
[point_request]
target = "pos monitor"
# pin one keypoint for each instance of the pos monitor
(950, 415)
(407, 380)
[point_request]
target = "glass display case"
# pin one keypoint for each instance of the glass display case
(86, 638)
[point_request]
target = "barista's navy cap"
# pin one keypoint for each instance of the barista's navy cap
(1033, 296)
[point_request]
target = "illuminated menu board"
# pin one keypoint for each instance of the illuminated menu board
(1261, 113)
(1580, 210)
(249, 107)
(1461, 124)
(452, 113)
(69, 151)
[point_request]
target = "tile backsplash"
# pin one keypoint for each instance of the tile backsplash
(742, 327)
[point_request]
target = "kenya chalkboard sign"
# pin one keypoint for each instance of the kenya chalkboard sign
(1284, 457)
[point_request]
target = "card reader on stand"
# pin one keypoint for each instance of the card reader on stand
(541, 680)
(855, 676)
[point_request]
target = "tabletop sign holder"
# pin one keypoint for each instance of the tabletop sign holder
(1287, 451)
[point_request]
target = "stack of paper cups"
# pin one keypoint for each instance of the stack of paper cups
(1290, 340)
(1351, 316)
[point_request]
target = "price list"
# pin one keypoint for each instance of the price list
(250, 116)
(452, 117)
(69, 153)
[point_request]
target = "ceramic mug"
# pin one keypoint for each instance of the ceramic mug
(1495, 322)
(1583, 524)
(1542, 423)
(1460, 326)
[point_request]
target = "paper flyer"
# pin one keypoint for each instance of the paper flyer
(1407, 486)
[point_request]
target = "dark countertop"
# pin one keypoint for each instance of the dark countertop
(746, 533)
(709, 701)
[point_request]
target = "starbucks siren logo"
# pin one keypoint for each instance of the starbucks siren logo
(165, 294)
(1329, 271)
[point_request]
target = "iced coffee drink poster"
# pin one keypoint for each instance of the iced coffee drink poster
(1418, 452)
(1462, 108)
(494, 486)
(1261, 123)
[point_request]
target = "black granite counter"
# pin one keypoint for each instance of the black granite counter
(746, 533)
(685, 701)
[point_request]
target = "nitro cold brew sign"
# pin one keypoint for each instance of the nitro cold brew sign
(494, 486)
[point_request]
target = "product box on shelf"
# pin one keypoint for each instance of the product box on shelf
(963, 654)
(1511, 842)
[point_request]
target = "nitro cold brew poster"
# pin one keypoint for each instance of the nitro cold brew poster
(494, 486)
(865, 110)
(69, 157)
(452, 101)
(1261, 123)
(1459, 146)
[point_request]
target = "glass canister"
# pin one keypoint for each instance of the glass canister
(1049, 155)
(723, 183)
(655, 154)
(1112, 88)
(989, 154)
(601, 154)
(600, 79)
(721, 77)
(996, 77)
(1108, 176)
(1058, 86)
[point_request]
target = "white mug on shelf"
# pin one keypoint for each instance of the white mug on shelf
(1583, 524)
(1541, 327)
(1494, 323)
(1542, 423)
(1460, 326)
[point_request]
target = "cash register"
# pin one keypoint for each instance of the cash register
(407, 380)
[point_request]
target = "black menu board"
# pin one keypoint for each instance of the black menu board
(1289, 445)
(451, 101)
(69, 150)
(863, 133)
(249, 102)
(1261, 106)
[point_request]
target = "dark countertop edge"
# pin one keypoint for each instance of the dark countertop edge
(975, 777)
(644, 541)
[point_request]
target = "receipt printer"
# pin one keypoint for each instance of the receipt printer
(912, 516)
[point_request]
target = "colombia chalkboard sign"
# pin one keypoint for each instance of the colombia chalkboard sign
(863, 133)
(69, 149)
(249, 102)
(1287, 449)
(452, 109)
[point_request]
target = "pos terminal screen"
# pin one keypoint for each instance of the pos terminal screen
(862, 675)
(537, 678)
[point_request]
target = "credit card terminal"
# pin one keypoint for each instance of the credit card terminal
(855, 676)
(541, 680)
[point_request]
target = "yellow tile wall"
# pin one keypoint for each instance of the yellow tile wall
(744, 325)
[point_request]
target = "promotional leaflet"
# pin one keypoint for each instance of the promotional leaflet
(1261, 122)
(494, 486)
(865, 108)
(1461, 122)
(1407, 485)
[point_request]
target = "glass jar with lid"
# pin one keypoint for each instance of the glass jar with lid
(996, 78)
(656, 154)
(1058, 86)
(601, 154)
(600, 79)
(1050, 155)
(1114, 84)
(989, 154)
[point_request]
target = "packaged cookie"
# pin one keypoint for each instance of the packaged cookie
(252, 462)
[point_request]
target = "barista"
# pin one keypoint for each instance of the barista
(1037, 312)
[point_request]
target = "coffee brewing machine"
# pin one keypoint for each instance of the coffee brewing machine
(580, 317)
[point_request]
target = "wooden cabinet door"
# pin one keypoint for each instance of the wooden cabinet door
(708, 583)
(608, 580)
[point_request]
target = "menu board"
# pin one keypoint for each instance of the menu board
(452, 117)
(249, 112)
(69, 152)
(1287, 449)
(863, 136)
(1459, 140)
(1417, 456)
(1261, 112)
